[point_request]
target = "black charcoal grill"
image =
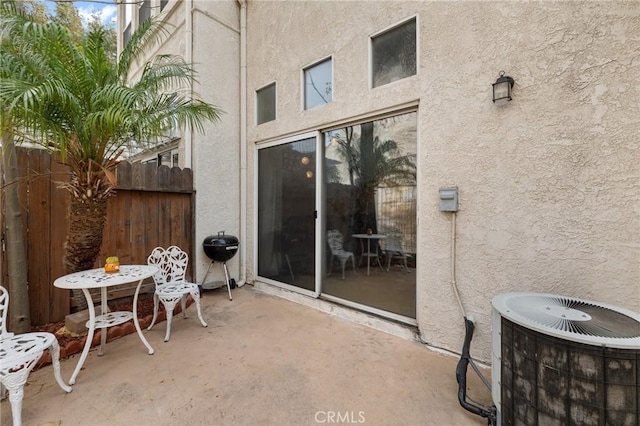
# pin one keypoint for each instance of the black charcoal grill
(221, 248)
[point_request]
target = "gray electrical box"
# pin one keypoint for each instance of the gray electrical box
(449, 199)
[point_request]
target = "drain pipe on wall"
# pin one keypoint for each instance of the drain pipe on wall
(243, 143)
(449, 203)
(188, 45)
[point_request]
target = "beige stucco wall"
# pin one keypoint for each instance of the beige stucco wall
(549, 184)
(215, 152)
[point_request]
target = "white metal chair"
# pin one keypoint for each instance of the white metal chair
(19, 354)
(171, 286)
(336, 247)
(393, 250)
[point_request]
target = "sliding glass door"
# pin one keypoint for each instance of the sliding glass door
(370, 202)
(353, 238)
(287, 213)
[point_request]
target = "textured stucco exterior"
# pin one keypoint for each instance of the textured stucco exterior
(549, 184)
(215, 40)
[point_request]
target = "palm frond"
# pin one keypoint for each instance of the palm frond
(72, 98)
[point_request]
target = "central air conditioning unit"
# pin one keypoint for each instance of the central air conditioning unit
(563, 361)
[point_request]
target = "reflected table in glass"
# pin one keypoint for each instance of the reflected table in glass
(368, 253)
(98, 278)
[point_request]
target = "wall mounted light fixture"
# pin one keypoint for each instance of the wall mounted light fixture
(502, 89)
(304, 160)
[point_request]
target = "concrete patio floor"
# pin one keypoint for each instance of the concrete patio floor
(263, 360)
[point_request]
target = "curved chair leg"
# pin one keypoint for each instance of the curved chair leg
(169, 305)
(343, 261)
(196, 298)
(388, 260)
(353, 263)
(14, 381)
(330, 266)
(15, 384)
(156, 300)
(169, 318)
(183, 303)
(54, 350)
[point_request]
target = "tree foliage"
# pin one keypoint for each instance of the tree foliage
(69, 96)
(66, 16)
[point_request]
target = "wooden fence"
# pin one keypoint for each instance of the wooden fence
(153, 206)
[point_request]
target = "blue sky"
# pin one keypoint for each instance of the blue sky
(107, 9)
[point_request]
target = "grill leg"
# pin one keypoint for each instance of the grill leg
(226, 274)
(204, 280)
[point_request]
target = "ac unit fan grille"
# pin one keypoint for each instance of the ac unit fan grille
(575, 316)
(574, 319)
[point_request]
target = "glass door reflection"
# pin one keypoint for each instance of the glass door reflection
(370, 194)
(286, 213)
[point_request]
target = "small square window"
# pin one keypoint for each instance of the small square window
(318, 84)
(266, 103)
(393, 54)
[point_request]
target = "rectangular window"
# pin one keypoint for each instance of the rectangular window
(266, 104)
(144, 12)
(164, 159)
(393, 54)
(126, 34)
(126, 37)
(318, 84)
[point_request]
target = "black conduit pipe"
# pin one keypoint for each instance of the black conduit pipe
(461, 376)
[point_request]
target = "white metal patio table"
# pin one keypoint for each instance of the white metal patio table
(98, 278)
(368, 254)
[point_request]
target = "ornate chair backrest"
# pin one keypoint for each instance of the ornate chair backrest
(157, 258)
(172, 264)
(178, 261)
(4, 307)
(334, 239)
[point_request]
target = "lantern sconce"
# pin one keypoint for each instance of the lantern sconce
(502, 89)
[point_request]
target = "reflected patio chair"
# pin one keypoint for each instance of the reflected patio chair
(393, 250)
(171, 286)
(336, 247)
(19, 354)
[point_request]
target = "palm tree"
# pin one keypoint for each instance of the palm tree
(73, 99)
(371, 163)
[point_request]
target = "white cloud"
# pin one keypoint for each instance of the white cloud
(107, 13)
